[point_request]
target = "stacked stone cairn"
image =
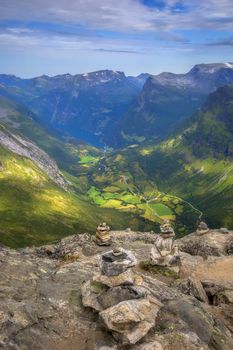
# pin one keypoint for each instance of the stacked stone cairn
(125, 306)
(103, 235)
(202, 229)
(164, 252)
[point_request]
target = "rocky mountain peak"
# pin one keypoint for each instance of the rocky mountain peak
(102, 76)
(200, 76)
(210, 68)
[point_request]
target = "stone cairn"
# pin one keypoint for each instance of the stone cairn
(103, 234)
(224, 230)
(202, 228)
(165, 252)
(125, 306)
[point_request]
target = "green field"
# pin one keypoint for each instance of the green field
(161, 210)
(86, 159)
(34, 210)
(128, 201)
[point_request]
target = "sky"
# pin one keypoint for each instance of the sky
(77, 36)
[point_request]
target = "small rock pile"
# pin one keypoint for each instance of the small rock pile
(202, 228)
(165, 252)
(103, 234)
(125, 306)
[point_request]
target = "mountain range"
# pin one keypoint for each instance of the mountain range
(84, 102)
(107, 107)
(167, 99)
(171, 139)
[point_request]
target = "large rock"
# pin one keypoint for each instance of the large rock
(219, 292)
(213, 242)
(89, 292)
(189, 264)
(212, 268)
(187, 315)
(154, 345)
(225, 297)
(113, 265)
(115, 295)
(174, 340)
(193, 287)
(99, 297)
(125, 278)
(131, 320)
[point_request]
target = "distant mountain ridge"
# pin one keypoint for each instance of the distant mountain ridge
(89, 102)
(167, 99)
(201, 77)
(113, 108)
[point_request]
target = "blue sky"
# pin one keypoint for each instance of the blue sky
(59, 36)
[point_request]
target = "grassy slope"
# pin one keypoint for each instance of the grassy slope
(67, 155)
(196, 163)
(118, 181)
(33, 210)
(205, 182)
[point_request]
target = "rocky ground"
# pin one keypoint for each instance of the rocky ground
(41, 306)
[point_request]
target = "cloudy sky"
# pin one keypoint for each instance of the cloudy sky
(59, 36)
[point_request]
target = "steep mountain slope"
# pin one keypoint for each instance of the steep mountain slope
(38, 202)
(211, 131)
(33, 209)
(27, 149)
(167, 99)
(196, 163)
(84, 102)
(22, 121)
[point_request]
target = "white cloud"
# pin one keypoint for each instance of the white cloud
(18, 39)
(123, 15)
(107, 14)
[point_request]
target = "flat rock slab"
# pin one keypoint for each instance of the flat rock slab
(115, 295)
(213, 243)
(131, 320)
(113, 265)
(125, 278)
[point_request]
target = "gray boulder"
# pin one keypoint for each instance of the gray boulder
(193, 287)
(113, 265)
(118, 294)
(131, 320)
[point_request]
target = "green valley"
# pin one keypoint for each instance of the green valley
(34, 210)
(183, 178)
